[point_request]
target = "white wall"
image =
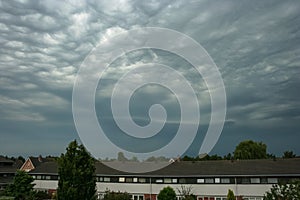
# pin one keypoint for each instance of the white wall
(146, 188)
(45, 184)
(197, 189)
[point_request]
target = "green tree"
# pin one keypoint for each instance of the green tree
(134, 159)
(22, 186)
(121, 157)
(21, 158)
(228, 157)
(250, 150)
(110, 195)
(288, 191)
(76, 174)
(41, 195)
(230, 195)
(167, 193)
(288, 154)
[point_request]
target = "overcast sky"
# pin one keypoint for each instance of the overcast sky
(255, 45)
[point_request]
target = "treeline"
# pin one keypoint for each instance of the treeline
(22, 159)
(13, 158)
(245, 150)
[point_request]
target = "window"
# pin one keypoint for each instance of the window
(264, 180)
(159, 181)
(121, 179)
(217, 180)
(135, 180)
(200, 180)
(174, 180)
(128, 180)
(142, 180)
(106, 179)
(54, 177)
(187, 180)
(114, 179)
(272, 180)
(47, 177)
(167, 180)
(209, 180)
(182, 180)
(138, 197)
(255, 180)
(225, 180)
(245, 180)
(285, 180)
(38, 177)
(100, 179)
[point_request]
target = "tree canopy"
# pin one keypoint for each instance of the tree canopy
(288, 154)
(22, 186)
(250, 150)
(167, 193)
(230, 195)
(76, 174)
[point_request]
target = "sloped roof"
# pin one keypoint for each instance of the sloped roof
(46, 168)
(5, 160)
(11, 168)
(270, 167)
(235, 168)
(36, 161)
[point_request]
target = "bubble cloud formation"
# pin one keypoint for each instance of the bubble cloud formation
(99, 61)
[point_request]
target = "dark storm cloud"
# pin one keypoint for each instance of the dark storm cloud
(255, 44)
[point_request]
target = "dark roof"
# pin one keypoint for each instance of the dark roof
(5, 160)
(46, 167)
(235, 168)
(279, 167)
(36, 161)
(11, 168)
(8, 167)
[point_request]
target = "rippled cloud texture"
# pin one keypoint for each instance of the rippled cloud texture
(255, 44)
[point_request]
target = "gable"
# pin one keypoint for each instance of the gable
(27, 166)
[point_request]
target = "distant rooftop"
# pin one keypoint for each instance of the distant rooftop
(267, 167)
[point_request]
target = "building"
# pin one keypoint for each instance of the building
(33, 162)
(209, 180)
(8, 168)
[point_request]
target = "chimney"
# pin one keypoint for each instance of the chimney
(40, 158)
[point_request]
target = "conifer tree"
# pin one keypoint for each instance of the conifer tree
(76, 174)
